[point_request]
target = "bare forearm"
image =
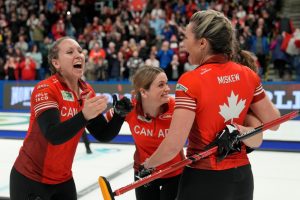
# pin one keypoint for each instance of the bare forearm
(173, 143)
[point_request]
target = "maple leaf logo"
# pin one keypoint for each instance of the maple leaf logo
(233, 109)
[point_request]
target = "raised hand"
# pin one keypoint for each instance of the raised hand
(123, 106)
(94, 106)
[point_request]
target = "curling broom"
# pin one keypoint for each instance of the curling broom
(108, 194)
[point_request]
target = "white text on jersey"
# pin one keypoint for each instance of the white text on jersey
(67, 111)
(149, 132)
(228, 79)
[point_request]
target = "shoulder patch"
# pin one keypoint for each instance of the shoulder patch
(68, 96)
(180, 87)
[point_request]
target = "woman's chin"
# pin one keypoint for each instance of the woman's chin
(166, 99)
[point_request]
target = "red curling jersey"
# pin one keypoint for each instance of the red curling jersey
(38, 159)
(219, 92)
(148, 134)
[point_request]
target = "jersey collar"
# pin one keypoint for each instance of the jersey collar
(218, 58)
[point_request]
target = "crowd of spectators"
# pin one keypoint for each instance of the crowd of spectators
(119, 36)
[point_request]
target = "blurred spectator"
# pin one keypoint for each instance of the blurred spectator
(165, 55)
(157, 10)
(69, 27)
(174, 68)
(101, 69)
(167, 32)
(36, 29)
(291, 45)
(279, 57)
(78, 20)
(44, 47)
(152, 61)
(28, 69)
(126, 50)
(157, 23)
(113, 64)
(191, 8)
(36, 56)
(97, 52)
(286, 25)
(11, 68)
(174, 44)
(58, 29)
(22, 44)
(134, 63)
(2, 70)
(122, 66)
(143, 50)
(260, 46)
(90, 68)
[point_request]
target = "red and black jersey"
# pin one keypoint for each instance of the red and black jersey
(220, 93)
(38, 159)
(148, 133)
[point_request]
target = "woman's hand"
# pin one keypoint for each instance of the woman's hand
(94, 106)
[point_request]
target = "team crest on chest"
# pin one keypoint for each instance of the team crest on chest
(67, 96)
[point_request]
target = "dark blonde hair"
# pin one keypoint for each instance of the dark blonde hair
(246, 58)
(143, 78)
(216, 28)
(53, 53)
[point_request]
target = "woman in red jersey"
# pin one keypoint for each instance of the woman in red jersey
(62, 106)
(149, 123)
(217, 93)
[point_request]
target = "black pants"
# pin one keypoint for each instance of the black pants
(160, 189)
(231, 184)
(22, 188)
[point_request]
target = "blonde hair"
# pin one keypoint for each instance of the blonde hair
(216, 28)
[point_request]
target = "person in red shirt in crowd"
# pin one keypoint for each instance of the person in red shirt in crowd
(62, 106)
(97, 52)
(215, 97)
(28, 69)
(149, 123)
(58, 29)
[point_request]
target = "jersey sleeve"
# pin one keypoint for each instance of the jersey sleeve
(184, 94)
(259, 92)
(43, 98)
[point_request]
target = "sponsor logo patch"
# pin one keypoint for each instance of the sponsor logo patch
(180, 87)
(67, 96)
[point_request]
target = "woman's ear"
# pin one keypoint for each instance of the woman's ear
(143, 92)
(202, 43)
(55, 63)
